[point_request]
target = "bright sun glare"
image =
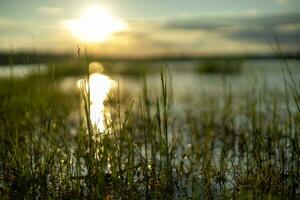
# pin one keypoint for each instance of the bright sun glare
(96, 24)
(98, 87)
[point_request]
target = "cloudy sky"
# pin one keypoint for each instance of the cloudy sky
(156, 26)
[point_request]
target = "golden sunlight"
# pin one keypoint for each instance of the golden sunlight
(96, 24)
(99, 86)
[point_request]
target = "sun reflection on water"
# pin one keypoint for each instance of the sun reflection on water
(98, 86)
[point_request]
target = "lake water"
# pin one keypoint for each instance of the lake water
(188, 86)
(185, 80)
(21, 71)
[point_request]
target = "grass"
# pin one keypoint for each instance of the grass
(235, 148)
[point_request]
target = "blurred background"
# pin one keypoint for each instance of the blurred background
(208, 44)
(134, 28)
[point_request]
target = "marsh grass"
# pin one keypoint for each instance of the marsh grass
(235, 148)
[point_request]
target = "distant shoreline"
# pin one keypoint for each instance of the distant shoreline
(31, 58)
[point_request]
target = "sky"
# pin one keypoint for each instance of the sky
(155, 27)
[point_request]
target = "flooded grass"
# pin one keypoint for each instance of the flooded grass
(225, 147)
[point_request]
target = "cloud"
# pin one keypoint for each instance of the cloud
(3, 22)
(6, 23)
(288, 28)
(220, 21)
(49, 11)
(244, 28)
(13, 27)
(283, 1)
(228, 33)
(23, 34)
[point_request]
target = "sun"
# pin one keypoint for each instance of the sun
(96, 24)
